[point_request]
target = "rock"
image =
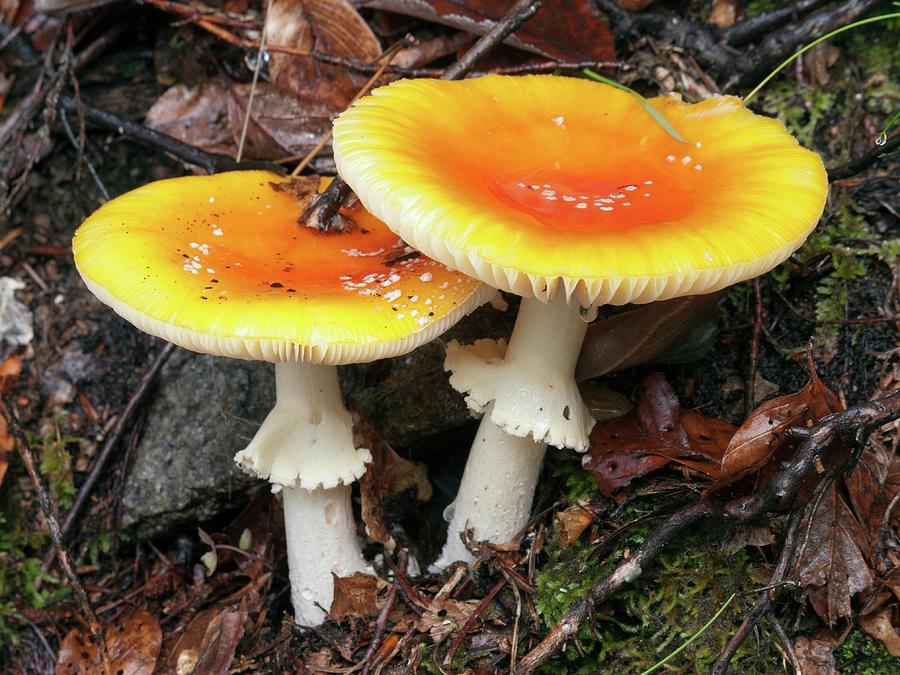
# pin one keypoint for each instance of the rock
(207, 409)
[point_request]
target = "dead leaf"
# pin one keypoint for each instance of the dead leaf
(207, 644)
(872, 486)
(195, 115)
(389, 474)
(332, 27)
(640, 335)
(651, 435)
(281, 123)
(724, 13)
(355, 597)
(133, 645)
(762, 434)
(561, 29)
(634, 5)
(815, 655)
(573, 522)
(835, 564)
(880, 627)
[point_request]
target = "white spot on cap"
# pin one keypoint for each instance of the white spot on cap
(212, 200)
(560, 122)
(218, 232)
(708, 256)
(393, 295)
(426, 276)
(686, 160)
(422, 320)
(670, 158)
(581, 206)
(698, 167)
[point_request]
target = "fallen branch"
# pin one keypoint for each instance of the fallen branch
(855, 166)
(322, 213)
(777, 494)
(756, 26)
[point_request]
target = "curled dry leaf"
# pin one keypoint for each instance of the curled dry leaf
(573, 522)
(640, 335)
(762, 435)
(208, 643)
(835, 564)
(133, 645)
(329, 26)
(652, 434)
(195, 115)
(562, 29)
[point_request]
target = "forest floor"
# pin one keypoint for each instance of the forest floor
(185, 601)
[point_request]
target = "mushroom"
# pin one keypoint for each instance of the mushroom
(219, 264)
(565, 192)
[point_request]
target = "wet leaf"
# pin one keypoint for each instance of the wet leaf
(653, 434)
(133, 645)
(872, 486)
(640, 335)
(880, 627)
(195, 115)
(387, 475)
(561, 29)
(762, 434)
(355, 597)
(332, 27)
(835, 562)
(815, 655)
(573, 522)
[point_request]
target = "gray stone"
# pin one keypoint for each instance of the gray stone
(208, 408)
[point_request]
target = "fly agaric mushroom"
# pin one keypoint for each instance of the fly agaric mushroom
(219, 264)
(566, 192)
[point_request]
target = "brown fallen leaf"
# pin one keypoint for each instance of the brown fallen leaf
(281, 122)
(834, 566)
(562, 29)
(872, 486)
(208, 643)
(572, 522)
(640, 335)
(653, 434)
(388, 474)
(133, 645)
(724, 13)
(355, 596)
(762, 435)
(880, 627)
(332, 27)
(815, 655)
(195, 115)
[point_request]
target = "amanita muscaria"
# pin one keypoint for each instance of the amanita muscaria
(220, 264)
(568, 193)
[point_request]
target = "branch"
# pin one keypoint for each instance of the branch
(778, 494)
(855, 166)
(756, 26)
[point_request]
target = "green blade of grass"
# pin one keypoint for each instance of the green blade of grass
(687, 643)
(837, 31)
(658, 117)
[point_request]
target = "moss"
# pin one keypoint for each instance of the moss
(647, 620)
(862, 655)
(800, 109)
(757, 7)
(56, 467)
(564, 469)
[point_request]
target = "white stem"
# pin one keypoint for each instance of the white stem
(321, 540)
(547, 336)
(306, 445)
(494, 498)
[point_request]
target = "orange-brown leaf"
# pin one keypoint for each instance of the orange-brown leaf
(133, 646)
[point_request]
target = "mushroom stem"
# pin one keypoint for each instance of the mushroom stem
(529, 398)
(321, 540)
(496, 492)
(306, 445)
(533, 387)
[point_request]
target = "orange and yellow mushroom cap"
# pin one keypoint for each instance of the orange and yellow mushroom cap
(220, 264)
(546, 186)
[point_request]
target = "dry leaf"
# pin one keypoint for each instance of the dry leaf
(195, 115)
(762, 434)
(724, 13)
(281, 123)
(653, 434)
(640, 335)
(573, 522)
(880, 627)
(133, 645)
(634, 5)
(815, 655)
(355, 597)
(332, 27)
(835, 561)
(207, 644)
(561, 29)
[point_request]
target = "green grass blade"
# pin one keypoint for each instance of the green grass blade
(658, 117)
(690, 640)
(837, 31)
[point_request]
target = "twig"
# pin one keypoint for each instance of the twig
(855, 166)
(258, 67)
(750, 389)
(473, 617)
(786, 644)
(756, 26)
(137, 398)
(381, 623)
(777, 494)
(764, 601)
(48, 507)
(78, 147)
(322, 213)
